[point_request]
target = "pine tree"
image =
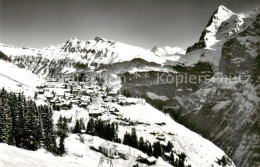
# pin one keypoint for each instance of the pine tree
(150, 149)
(77, 128)
(127, 139)
(20, 134)
(61, 148)
(157, 149)
(172, 161)
(62, 132)
(81, 124)
(3, 121)
(48, 136)
(8, 121)
(91, 127)
(32, 137)
(13, 111)
(169, 147)
(107, 132)
(141, 145)
(134, 140)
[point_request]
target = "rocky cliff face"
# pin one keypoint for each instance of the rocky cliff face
(240, 53)
(226, 109)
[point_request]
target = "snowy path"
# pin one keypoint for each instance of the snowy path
(174, 138)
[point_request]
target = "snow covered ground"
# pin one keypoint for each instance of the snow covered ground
(16, 79)
(199, 151)
(78, 154)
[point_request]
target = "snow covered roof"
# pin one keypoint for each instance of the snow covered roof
(107, 145)
(151, 159)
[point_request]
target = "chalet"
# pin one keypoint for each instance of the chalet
(108, 149)
(49, 96)
(154, 133)
(112, 109)
(67, 91)
(112, 93)
(85, 99)
(161, 123)
(90, 91)
(170, 133)
(60, 94)
(75, 101)
(40, 92)
(64, 86)
(66, 105)
(75, 91)
(41, 86)
(52, 101)
(57, 106)
(151, 160)
(95, 113)
(123, 154)
(141, 101)
(121, 99)
(84, 105)
(124, 123)
(160, 138)
(52, 79)
(108, 99)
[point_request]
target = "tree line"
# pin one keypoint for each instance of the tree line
(105, 130)
(24, 124)
(155, 149)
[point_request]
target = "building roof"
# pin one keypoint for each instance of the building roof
(107, 145)
(151, 159)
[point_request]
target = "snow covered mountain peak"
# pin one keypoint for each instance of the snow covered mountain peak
(222, 8)
(72, 39)
(76, 52)
(99, 39)
(167, 50)
(220, 15)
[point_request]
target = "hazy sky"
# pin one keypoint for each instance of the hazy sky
(145, 23)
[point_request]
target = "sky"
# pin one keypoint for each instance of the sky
(144, 23)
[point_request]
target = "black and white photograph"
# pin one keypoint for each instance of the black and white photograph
(129, 83)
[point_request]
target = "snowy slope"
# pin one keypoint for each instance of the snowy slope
(200, 152)
(16, 79)
(11, 156)
(78, 154)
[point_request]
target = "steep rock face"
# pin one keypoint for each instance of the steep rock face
(223, 26)
(226, 109)
(207, 37)
(235, 59)
(239, 54)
